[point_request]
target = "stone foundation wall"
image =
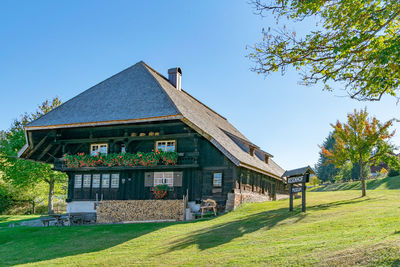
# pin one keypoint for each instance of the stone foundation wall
(280, 196)
(239, 197)
(113, 211)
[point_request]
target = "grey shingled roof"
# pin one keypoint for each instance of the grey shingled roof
(140, 92)
(131, 94)
(215, 126)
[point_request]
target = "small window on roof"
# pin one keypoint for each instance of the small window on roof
(252, 150)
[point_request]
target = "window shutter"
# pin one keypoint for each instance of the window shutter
(148, 179)
(178, 178)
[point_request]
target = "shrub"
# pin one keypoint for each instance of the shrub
(393, 172)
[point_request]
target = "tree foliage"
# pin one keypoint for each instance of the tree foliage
(24, 174)
(361, 140)
(355, 43)
(326, 171)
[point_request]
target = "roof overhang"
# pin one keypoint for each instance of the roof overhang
(298, 172)
(250, 167)
(101, 123)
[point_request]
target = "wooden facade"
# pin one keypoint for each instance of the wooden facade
(131, 112)
(198, 160)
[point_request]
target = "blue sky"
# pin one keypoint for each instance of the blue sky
(60, 48)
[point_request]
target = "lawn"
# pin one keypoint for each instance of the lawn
(5, 220)
(383, 183)
(339, 228)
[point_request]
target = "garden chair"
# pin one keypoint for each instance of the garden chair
(208, 204)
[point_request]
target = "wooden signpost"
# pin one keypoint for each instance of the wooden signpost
(296, 188)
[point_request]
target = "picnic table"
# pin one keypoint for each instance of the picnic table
(76, 218)
(58, 219)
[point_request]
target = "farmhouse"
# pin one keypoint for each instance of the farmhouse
(138, 129)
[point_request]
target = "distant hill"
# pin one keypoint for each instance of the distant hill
(379, 184)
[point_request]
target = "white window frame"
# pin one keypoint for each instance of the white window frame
(214, 179)
(84, 185)
(114, 177)
(105, 177)
(166, 145)
(97, 151)
(96, 177)
(161, 178)
(78, 185)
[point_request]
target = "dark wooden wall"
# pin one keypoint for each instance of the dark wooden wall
(197, 181)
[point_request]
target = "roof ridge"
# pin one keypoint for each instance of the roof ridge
(147, 67)
(165, 78)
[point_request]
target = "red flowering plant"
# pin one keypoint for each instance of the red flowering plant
(151, 159)
(160, 191)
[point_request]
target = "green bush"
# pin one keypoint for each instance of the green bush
(393, 172)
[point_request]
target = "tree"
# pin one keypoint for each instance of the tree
(326, 171)
(24, 173)
(314, 181)
(355, 43)
(361, 140)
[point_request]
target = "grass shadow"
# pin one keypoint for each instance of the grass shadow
(5, 220)
(223, 233)
(21, 245)
(220, 234)
(338, 203)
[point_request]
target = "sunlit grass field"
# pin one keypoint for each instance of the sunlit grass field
(339, 228)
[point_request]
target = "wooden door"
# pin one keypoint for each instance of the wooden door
(129, 188)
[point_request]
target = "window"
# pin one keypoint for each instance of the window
(106, 181)
(78, 181)
(86, 180)
(96, 181)
(123, 148)
(217, 179)
(96, 149)
(168, 146)
(164, 178)
(115, 180)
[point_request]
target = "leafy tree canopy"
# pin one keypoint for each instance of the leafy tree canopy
(24, 173)
(355, 43)
(361, 140)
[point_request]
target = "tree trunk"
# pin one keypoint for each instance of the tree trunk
(33, 207)
(362, 178)
(51, 196)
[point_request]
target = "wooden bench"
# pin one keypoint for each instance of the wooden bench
(208, 204)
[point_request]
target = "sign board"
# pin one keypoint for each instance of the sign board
(295, 180)
(296, 189)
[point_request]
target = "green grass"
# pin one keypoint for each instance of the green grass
(5, 220)
(339, 228)
(384, 183)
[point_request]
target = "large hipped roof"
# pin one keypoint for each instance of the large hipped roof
(139, 93)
